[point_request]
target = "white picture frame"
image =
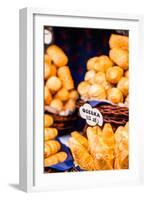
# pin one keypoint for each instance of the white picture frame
(31, 175)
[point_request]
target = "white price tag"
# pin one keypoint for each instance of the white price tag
(47, 36)
(92, 116)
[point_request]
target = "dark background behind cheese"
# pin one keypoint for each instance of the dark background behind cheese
(80, 44)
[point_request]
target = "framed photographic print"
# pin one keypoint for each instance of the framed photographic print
(80, 80)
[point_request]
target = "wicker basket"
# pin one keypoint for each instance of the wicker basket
(113, 114)
(64, 124)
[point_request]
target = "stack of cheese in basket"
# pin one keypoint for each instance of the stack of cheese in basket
(102, 149)
(60, 94)
(52, 153)
(107, 77)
